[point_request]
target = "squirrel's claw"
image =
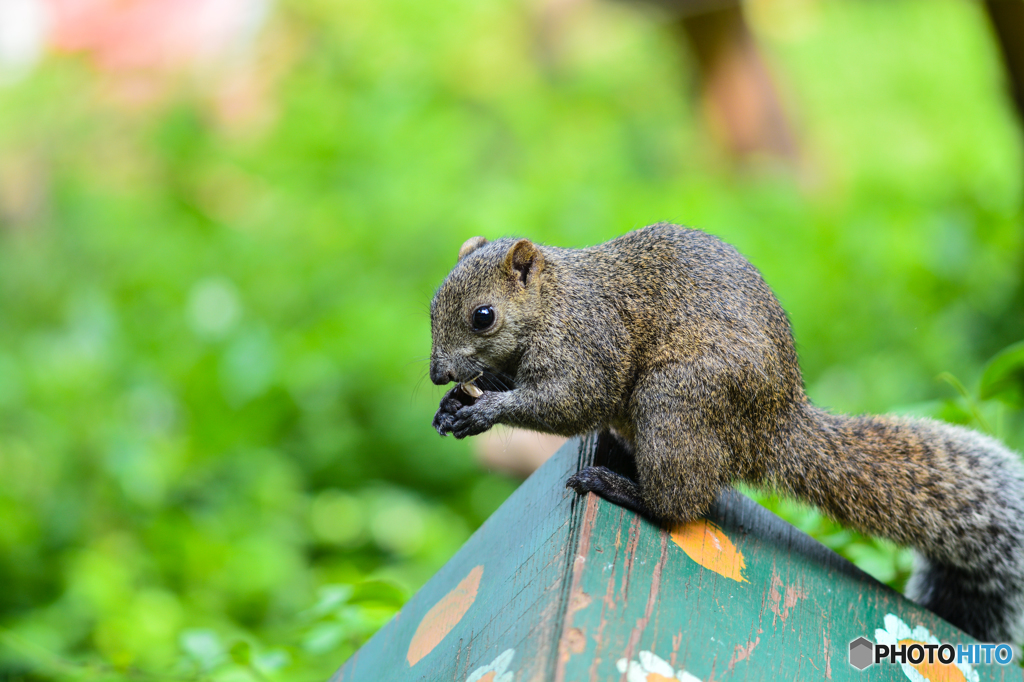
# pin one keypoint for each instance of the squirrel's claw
(611, 486)
(586, 480)
(443, 422)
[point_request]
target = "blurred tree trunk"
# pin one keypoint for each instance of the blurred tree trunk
(1007, 18)
(737, 92)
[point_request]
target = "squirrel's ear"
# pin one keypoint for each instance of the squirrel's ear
(524, 260)
(471, 245)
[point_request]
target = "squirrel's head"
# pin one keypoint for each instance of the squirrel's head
(483, 311)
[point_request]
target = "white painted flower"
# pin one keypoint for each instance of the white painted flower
(652, 668)
(495, 670)
(896, 631)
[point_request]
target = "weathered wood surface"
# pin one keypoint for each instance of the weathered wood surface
(555, 588)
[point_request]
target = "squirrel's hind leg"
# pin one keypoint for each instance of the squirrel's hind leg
(682, 465)
(610, 485)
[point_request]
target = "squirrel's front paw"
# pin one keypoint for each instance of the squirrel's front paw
(453, 401)
(443, 422)
(471, 420)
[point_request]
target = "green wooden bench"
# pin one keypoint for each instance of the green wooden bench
(555, 587)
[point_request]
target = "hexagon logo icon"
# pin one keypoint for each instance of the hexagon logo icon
(862, 653)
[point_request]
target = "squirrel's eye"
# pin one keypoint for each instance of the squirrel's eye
(483, 317)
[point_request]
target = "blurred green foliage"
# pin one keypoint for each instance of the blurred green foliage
(215, 440)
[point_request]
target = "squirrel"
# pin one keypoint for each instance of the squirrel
(671, 340)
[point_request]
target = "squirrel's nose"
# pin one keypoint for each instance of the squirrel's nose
(438, 376)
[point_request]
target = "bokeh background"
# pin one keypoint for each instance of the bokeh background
(221, 222)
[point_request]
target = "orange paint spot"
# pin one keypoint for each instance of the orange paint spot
(705, 543)
(444, 616)
(489, 677)
(655, 677)
(935, 672)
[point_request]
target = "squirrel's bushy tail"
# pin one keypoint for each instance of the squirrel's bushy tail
(990, 608)
(953, 495)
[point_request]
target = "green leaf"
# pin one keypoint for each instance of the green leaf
(325, 637)
(330, 599)
(1003, 376)
(972, 404)
(378, 591)
(273, 660)
(203, 646)
(950, 411)
(241, 652)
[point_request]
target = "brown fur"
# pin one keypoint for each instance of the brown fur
(673, 340)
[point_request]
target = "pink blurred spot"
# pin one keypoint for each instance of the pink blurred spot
(129, 35)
